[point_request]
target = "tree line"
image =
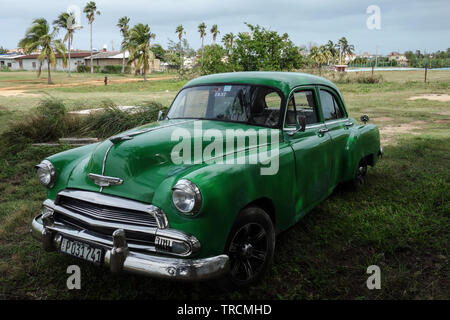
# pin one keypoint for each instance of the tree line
(252, 50)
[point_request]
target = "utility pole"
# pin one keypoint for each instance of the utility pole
(376, 55)
(426, 65)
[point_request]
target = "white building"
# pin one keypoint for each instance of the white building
(31, 62)
(9, 61)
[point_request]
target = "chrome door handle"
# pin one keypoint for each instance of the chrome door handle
(348, 124)
(323, 131)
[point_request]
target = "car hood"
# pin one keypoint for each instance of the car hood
(142, 157)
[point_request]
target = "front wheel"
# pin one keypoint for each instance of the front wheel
(250, 246)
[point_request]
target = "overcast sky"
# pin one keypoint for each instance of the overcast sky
(405, 24)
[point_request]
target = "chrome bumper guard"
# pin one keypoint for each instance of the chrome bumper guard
(118, 256)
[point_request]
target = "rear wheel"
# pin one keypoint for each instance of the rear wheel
(250, 246)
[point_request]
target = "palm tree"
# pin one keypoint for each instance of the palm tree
(344, 48)
(91, 10)
(228, 41)
(214, 31)
(67, 21)
(139, 45)
(317, 57)
(180, 31)
(202, 31)
(332, 48)
(326, 54)
(123, 26)
(38, 36)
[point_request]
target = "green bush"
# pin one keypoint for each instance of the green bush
(113, 121)
(52, 122)
(116, 69)
(360, 77)
(83, 68)
(48, 124)
(5, 69)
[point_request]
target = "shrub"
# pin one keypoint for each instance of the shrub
(115, 69)
(48, 124)
(5, 69)
(360, 77)
(113, 121)
(52, 122)
(83, 68)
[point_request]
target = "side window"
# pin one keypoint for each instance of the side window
(273, 100)
(302, 103)
(306, 106)
(330, 106)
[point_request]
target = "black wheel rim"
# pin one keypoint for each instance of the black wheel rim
(248, 252)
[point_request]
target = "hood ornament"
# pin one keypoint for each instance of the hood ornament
(104, 181)
(119, 138)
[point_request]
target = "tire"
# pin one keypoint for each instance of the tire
(250, 246)
(360, 176)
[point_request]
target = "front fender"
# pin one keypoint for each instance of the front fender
(64, 162)
(226, 190)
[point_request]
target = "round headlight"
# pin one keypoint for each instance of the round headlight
(186, 197)
(46, 173)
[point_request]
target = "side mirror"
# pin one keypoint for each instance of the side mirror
(364, 118)
(160, 115)
(301, 123)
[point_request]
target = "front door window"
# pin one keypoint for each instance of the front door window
(330, 107)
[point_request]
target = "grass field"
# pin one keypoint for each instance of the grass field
(399, 222)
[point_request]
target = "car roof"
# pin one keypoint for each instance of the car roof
(284, 81)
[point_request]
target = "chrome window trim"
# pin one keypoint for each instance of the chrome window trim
(107, 200)
(336, 121)
(308, 126)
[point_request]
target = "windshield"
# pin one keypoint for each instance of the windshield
(250, 104)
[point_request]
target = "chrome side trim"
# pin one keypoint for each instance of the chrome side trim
(107, 200)
(145, 264)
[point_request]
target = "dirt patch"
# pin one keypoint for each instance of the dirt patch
(442, 121)
(388, 133)
(14, 93)
(382, 119)
(434, 97)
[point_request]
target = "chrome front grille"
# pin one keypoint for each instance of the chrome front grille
(106, 213)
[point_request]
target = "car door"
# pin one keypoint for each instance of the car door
(312, 149)
(338, 124)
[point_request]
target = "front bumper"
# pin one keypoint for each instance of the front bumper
(119, 258)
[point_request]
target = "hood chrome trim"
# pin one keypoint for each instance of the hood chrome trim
(104, 181)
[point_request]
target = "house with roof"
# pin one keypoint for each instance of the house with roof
(9, 61)
(31, 62)
(110, 58)
(400, 58)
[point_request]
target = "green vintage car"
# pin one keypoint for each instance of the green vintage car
(202, 193)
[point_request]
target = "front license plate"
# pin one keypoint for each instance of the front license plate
(82, 250)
